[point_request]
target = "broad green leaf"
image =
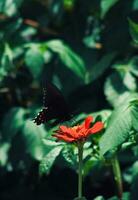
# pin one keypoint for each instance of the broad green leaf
(106, 5)
(9, 7)
(50, 143)
(13, 122)
(133, 28)
(33, 137)
(35, 61)
(119, 126)
(49, 159)
(130, 82)
(115, 90)
(68, 57)
(69, 155)
(121, 83)
(99, 68)
(134, 104)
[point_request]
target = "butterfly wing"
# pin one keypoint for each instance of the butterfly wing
(56, 103)
(41, 117)
(55, 106)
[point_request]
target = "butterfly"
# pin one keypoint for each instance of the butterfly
(54, 106)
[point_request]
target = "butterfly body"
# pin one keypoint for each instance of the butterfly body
(54, 106)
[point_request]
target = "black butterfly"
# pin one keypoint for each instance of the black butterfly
(54, 106)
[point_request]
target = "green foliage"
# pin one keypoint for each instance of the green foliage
(100, 67)
(89, 165)
(35, 57)
(6, 62)
(4, 148)
(68, 57)
(14, 120)
(122, 82)
(133, 27)
(33, 137)
(35, 61)
(106, 5)
(9, 7)
(89, 50)
(99, 198)
(70, 156)
(122, 120)
(49, 159)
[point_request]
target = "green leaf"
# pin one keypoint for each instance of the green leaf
(14, 120)
(119, 126)
(104, 114)
(69, 155)
(93, 39)
(35, 61)
(130, 81)
(133, 28)
(50, 143)
(68, 57)
(99, 198)
(33, 137)
(99, 68)
(134, 65)
(10, 7)
(126, 196)
(134, 104)
(49, 159)
(135, 5)
(6, 62)
(106, 5)
(10, 29)
(115, 90)
(4, 148)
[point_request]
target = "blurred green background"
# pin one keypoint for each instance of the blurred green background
(88, 49)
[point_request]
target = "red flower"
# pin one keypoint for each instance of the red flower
(79, 132)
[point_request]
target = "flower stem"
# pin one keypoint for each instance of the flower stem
(117, 176)
(80, 155)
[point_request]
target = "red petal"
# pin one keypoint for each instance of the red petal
(64, 128)
(70, 132)
(98, 126)
(63, 137)
(88, 121)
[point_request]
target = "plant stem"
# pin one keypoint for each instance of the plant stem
(117, 176)
(80, 155)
